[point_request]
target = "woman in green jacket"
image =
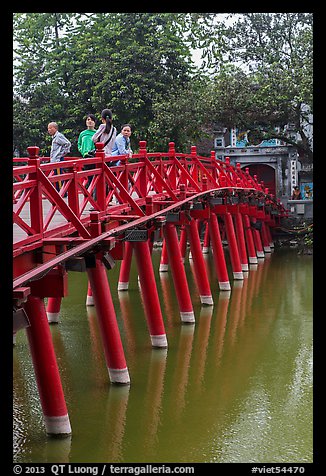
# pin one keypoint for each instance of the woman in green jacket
(85, 143)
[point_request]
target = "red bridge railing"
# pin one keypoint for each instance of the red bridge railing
(174, 194)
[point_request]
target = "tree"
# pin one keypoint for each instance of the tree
(73, 64)
(263, 79)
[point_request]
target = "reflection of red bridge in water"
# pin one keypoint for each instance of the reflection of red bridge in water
(151, 196)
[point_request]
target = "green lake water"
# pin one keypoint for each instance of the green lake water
(234, 387)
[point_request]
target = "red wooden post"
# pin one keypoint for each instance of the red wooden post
(213, 165)
(100, 187)
(142, 180)
(123, 283)
(218, 254)
(36, 208)
(73, 201)
(173, 172)
(53, 309)
(206, 239)
(249, 240)
(113, 350)
(241, 241)
(199, 264)
(164, 263)
(265, 238)
(257, 240)
(178, 274)
(183, 242)
(46, 370)
(233, 247)
(150, 294)
(269, 234)
(89, 297)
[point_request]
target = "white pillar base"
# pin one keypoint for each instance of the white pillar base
(207, 300)
(238, 275)
(205, 250)
(253, 260)
(224, 285)
(190, 255)
(245, 267)
(187, 317)
(119, 376)
(57, 425)
(159, 341)
(267, 249)
(260, 254)
(123, 286)
(53, 317)
(90, 300)
(163, 268)
(225, 295)
(271, 244)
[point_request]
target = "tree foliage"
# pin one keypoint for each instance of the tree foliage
(256, 74)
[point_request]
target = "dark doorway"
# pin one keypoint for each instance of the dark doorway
(264, 173)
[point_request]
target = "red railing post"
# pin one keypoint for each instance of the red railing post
(36, 207)
(100, 186)
(142, 180)
(195, 171)
(173, 168)
(73, 201)
(213, 165)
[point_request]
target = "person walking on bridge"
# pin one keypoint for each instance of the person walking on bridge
(122, 142)
(59, 148)
(106, 132)
(86, 144)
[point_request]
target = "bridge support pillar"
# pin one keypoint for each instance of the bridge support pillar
(241, 241)
(123, 283)
(218, 254)
(233, 247)
(265, 238)
(89, 297)
(206, 242)
(113, 349)
(53, 309)
(252, 257)
(164, 263)
(199, 264)
(269, 234)
(257, 240)
(46, 370)
(150, 294)
(183, 242)
(178, 274)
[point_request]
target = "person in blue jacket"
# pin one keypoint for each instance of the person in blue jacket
(121, 145)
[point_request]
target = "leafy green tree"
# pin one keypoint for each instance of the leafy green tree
(263, 80)
(73, 64)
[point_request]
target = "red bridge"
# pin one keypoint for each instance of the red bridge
(84, 219)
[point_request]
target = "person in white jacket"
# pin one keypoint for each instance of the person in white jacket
(106, 133)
